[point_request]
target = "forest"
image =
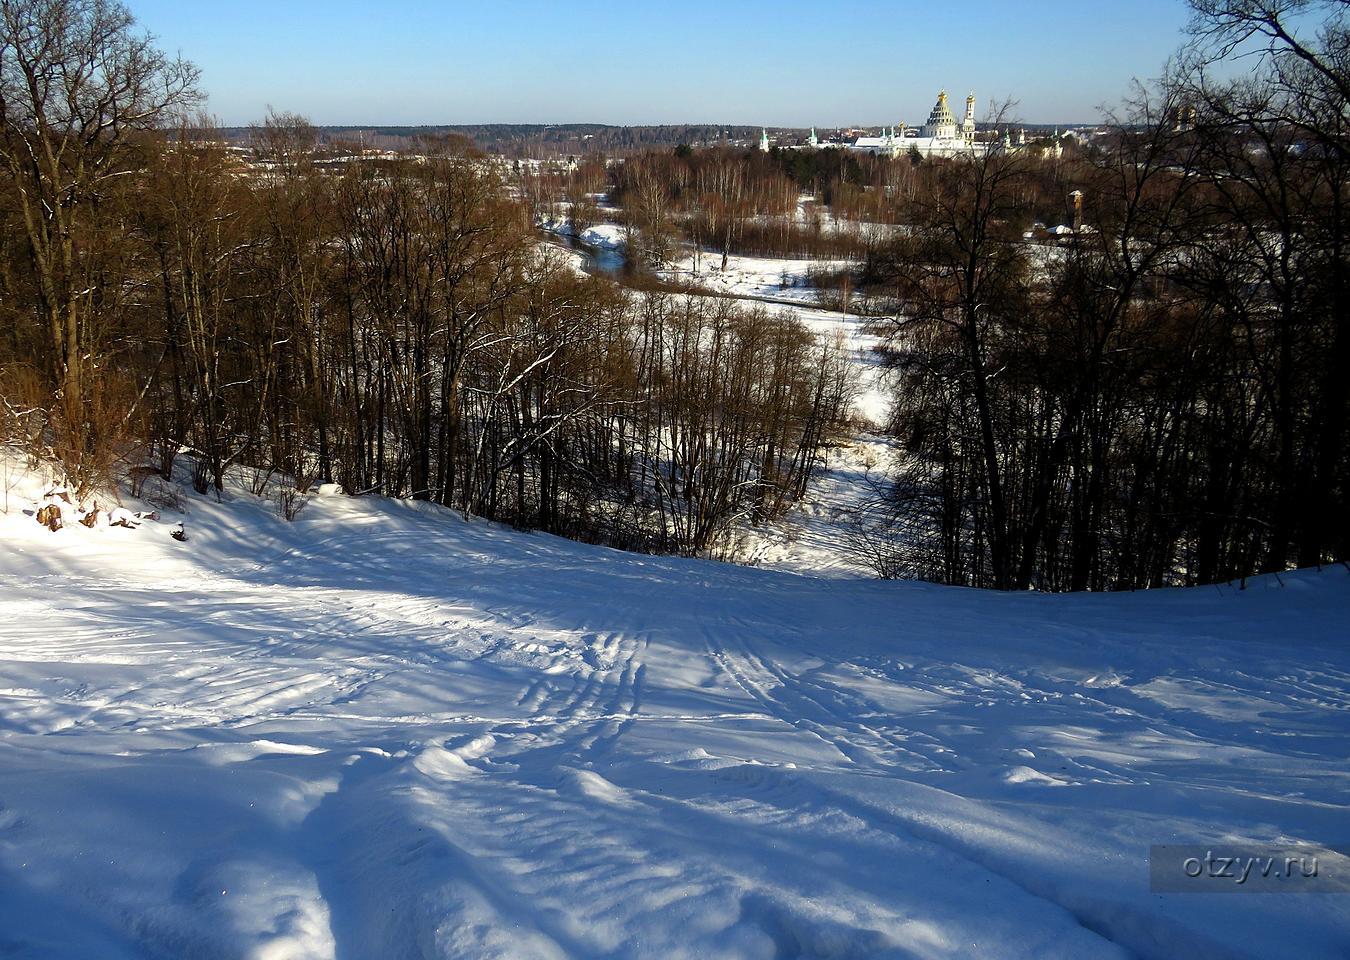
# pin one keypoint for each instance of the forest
(1157, 394)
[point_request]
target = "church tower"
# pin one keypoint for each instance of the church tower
(764, 139)
(968, 124)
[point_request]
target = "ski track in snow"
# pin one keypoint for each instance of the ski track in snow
(384, 731)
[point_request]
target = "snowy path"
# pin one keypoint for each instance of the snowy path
(384, 732)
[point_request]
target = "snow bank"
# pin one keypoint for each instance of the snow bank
(603, 236)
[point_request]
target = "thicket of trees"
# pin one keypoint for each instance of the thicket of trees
(1163, 399)
(728, 200)
(394, 326)
(823, 204)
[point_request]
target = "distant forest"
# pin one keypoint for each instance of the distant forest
(537, 139)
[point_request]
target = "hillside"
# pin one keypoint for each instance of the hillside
(383, 731)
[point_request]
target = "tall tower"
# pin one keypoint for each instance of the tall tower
(814, 141)
(968, 124)
(764, 139)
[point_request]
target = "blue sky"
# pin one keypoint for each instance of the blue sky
(787, 63)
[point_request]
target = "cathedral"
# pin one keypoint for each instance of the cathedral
(941, 136)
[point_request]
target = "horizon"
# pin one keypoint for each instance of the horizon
(674, 124)
(760, 64)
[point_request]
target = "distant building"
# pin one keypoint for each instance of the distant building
(764, 139)
(1050, 147)
(941, 136)
(888, 143)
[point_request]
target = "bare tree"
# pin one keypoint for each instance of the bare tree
(76, 85)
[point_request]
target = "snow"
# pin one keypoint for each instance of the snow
(784, 285)
(816, 535)
(872, 403)
(775, 278)
(385, 731)
(602, 236)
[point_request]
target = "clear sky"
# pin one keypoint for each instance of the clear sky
(773, 62)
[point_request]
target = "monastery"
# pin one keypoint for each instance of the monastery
(941, 136)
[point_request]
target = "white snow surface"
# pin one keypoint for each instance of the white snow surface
(601, 236)
(814, 536)
(383, 731)
(774, 278)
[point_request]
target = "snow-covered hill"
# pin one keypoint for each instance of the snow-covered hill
(382, 731)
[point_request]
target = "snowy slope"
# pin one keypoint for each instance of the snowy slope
(383, 731)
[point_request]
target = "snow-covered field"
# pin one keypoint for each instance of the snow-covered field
(813, 537)
(872, 403)
(774, 278)
(382, 731)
